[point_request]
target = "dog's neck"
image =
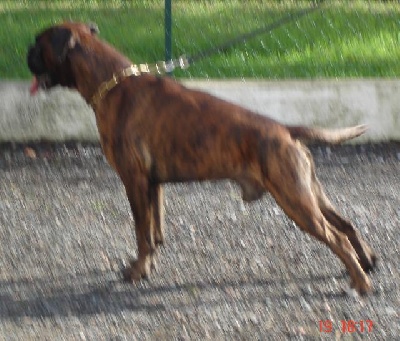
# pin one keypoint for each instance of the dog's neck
(98, 71)
(117, 78)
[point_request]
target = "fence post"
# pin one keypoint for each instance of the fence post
(168, 30)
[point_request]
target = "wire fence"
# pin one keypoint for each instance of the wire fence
(342, 39)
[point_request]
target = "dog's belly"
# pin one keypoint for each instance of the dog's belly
(224, 161)
(250, 181)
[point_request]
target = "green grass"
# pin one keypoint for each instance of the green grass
(345, 39)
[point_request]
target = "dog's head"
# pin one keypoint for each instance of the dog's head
(48, 58)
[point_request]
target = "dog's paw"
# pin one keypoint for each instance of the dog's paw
(136, 271)
(363, 287)
(371, 265)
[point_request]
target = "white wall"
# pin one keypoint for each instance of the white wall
(62, 115)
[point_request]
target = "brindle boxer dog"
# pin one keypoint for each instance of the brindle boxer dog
(155, 131)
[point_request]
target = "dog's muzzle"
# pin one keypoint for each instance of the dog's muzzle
(41, 78)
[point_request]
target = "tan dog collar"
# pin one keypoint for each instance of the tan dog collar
(117, 78)
(159, 68)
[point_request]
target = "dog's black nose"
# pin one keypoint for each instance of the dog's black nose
(35, 61)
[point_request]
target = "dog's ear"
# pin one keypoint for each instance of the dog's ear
(94, 29)
(62, 41)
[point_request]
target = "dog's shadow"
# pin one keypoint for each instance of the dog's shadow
(104, 292)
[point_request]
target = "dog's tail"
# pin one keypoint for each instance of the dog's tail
(331, 136)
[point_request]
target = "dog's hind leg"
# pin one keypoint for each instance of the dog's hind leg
(297, 199)
(366, 256)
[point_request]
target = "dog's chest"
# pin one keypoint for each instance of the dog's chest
(105, 130)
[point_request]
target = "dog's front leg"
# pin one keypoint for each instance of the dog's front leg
(157, 212)
(138, 191)
(157, 218)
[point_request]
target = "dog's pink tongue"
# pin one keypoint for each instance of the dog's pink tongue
(34, 86)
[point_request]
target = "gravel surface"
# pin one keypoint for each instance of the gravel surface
(229, 270)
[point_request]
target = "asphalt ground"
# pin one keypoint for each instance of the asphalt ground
(229, 270)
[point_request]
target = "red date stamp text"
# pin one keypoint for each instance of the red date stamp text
(346, 326)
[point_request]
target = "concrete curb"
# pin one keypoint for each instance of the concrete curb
(61, 115)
